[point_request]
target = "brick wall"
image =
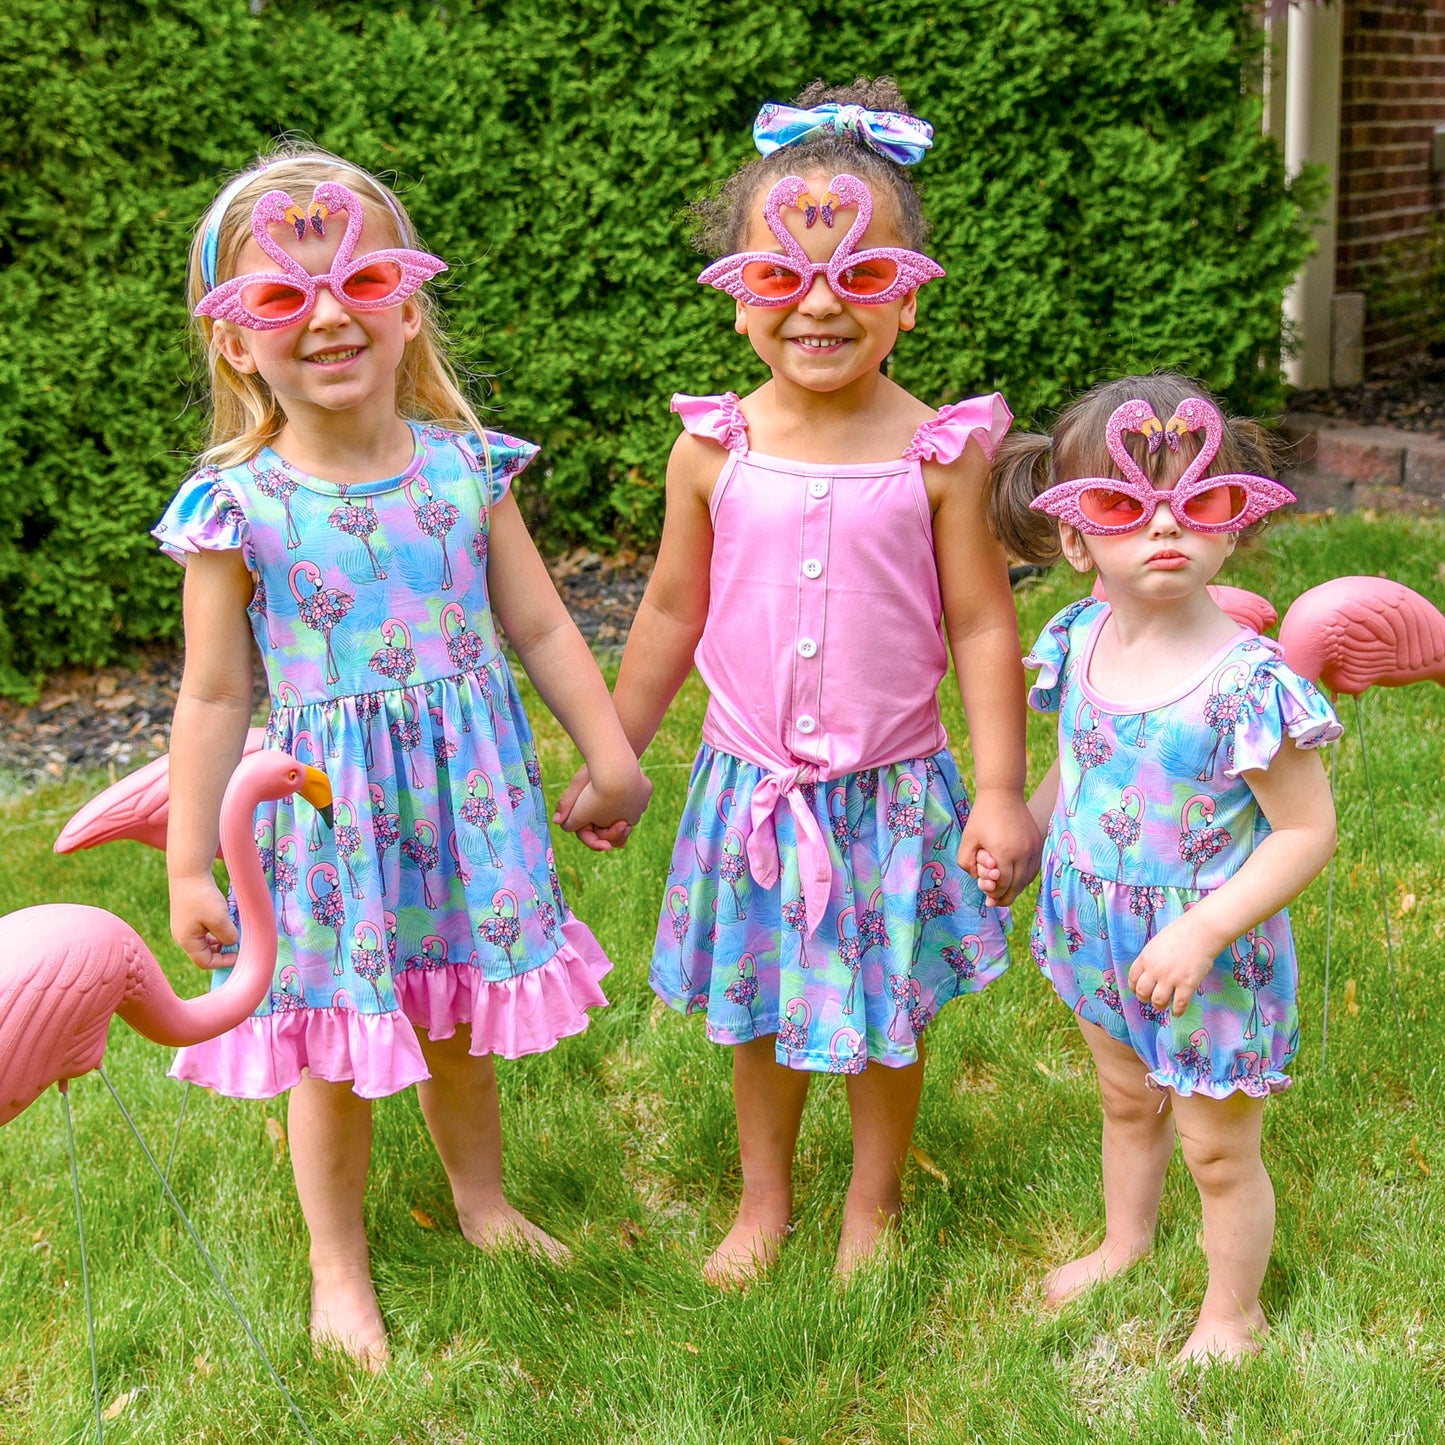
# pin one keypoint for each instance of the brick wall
(1392, 97)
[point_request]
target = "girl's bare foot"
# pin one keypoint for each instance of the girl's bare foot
(864, 1231)
(496, 1226)
(749, 1248)
(1072, 1279)
(345, 1316)
(1225, 1337)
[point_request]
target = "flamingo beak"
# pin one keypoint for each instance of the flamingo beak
(808, 206)
(1153, 432)
(1172, 432)
(316, 789)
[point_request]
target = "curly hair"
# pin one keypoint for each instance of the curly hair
(721, 220)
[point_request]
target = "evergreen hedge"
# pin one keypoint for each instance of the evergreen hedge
(1100, 191)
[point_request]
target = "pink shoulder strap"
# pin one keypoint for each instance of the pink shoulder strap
(717, 418)
(942, 438)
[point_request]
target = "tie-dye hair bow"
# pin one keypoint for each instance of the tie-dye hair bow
(901, 138)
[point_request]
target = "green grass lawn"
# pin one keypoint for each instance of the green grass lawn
(621, 1141)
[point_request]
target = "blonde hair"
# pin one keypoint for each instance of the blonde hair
(245, 415)
(1028, 463)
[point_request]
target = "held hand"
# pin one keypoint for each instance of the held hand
(1171, 966)
(201, 922)
(1010, 860)
(602, 813)
(570, 794)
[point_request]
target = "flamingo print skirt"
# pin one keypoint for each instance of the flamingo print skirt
(905, 928)
(1153, 813)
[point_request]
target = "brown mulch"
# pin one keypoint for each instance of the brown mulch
(1413, 400)
(120, 717)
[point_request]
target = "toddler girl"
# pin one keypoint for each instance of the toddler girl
(354, 520)
(819, 533)
(1186, 809)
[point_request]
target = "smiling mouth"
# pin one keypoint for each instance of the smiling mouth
(328, 358)
(819, 343)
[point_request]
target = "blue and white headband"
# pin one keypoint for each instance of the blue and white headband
(211, 235)
(901, 138)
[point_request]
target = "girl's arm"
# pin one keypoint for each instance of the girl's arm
(1295, 796)
(670, 617)
(564, 672)
(983, 636)
(208, 732)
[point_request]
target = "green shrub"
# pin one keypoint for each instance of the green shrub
(1101, 193)
(1407, 288)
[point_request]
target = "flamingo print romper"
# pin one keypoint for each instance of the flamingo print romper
(814, 893)
(1152, 814)
(434, 900)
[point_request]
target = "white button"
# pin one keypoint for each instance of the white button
(818, 487)
(812, 568)
(806, 647)
(807, 723)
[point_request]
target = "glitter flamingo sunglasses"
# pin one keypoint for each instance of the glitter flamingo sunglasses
(269, 300)
(870, 278)
(1111, 507)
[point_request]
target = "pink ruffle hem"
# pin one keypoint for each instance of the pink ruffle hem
(378, 1054)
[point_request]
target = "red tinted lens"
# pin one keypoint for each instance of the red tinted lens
(868, 278)
(1107, 508)
(1217, 507)
(772, 280)
(373, 283)
(273, 300)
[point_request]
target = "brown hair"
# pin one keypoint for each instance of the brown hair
(245, 415)
(1028, 463)
(722, 219)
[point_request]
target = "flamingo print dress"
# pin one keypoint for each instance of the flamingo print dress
(814, 894)
(1152, 814)
(433, 900)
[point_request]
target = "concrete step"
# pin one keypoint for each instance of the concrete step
(1332, 464)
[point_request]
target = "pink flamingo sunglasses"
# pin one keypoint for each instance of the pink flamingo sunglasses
(871, 278)
(269, 300)
(1112, 507)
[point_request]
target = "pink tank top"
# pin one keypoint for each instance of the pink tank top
(824, 646)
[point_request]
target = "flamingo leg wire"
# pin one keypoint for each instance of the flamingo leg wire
(1329, 918)
(175, 1140)
(210, 1263)
(84, 1262)
(1379, 866)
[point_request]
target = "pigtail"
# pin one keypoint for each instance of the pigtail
(1022, 468)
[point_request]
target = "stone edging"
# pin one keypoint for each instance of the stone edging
(1333, 464)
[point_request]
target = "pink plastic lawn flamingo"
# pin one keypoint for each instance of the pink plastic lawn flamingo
(65, 969)
(136, 807)
(1350, 634)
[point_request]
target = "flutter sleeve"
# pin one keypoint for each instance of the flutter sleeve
(499, 458)
(204, 516)
(1050, 655)
(1279, 703)
(715, 418)
(942, 438)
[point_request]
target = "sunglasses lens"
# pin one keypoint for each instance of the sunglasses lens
(373, 283)
(772, 280)
(870, 278)
(1217, 507)
(1107, 508)
(273, 300)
